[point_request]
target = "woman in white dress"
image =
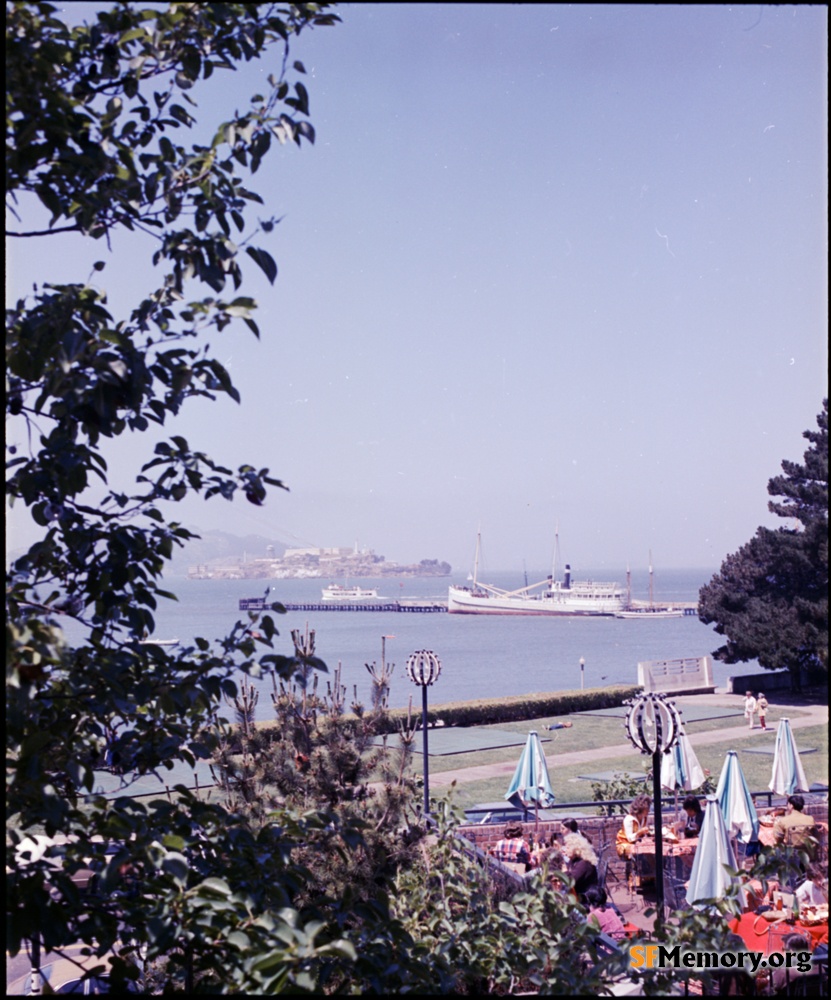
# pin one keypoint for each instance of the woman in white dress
(749, 708)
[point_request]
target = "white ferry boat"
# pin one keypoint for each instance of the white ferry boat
(548, 597)
(336, 592)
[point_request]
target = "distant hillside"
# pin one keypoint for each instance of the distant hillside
(219, 546)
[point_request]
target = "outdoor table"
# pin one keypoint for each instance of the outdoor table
(681, 853)
(766, 936)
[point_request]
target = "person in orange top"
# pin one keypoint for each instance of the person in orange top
(634, 825)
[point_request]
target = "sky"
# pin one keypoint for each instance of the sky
(547, 270)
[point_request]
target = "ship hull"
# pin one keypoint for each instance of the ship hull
(562, 603)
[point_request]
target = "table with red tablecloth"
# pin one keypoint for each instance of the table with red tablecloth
(766, 936)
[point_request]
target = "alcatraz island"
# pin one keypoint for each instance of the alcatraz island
(311, 563)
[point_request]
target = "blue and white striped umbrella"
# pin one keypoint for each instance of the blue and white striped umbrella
(736, 802)
(788, 774)
(709, 879)
(531, 787)
(680, 770)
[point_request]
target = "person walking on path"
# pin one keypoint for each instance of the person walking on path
(749, 708)
(762, 708)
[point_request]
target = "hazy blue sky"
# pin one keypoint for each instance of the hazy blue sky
(546, 264)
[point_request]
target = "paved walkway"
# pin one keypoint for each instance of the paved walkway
(815, 715)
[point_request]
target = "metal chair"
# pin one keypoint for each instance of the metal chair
(603, 871)
(675, 892)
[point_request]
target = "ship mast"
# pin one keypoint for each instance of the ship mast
(554, 567)
(651, 595)
(476, 559)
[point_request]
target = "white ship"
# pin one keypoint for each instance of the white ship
(548, 597)
(336, 592)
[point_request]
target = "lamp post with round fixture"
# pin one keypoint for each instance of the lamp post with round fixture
(423, 669)
(653, 725)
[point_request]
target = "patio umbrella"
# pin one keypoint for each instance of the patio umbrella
(531, 786)
(680, 770)
(788, 775)
(709, 879)
(737, 807)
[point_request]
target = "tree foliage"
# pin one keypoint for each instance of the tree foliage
(770, 599)
(316, 756)
(94, 113)
(301, 878)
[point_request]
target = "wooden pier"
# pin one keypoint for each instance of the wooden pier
(407, 607)
(425, 607)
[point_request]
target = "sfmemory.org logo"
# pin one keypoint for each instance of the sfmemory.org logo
(658, 956)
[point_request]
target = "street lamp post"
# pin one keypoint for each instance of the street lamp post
(653, 725)
(384, 649)
(423, 669)
(582, 672)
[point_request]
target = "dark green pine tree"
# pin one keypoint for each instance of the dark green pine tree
(770, 599)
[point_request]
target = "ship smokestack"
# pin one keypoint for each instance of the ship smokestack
(567, 580)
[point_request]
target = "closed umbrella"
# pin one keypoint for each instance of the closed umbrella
(737, 807)
(788, 774)
(709, 879)
(680, 770)
(531, 786)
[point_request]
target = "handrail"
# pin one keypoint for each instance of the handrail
(597, 803)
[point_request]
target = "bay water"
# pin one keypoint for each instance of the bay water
(482, 656)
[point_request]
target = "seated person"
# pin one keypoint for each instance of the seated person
(795, 828)
(602, 915)
(782, 980)
(814, 890)
(570, 826)
(634, 825)
(691, 825)
(549, 857)
(513, 846)
(582, 863)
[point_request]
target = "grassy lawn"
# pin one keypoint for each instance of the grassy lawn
(568, 788)
(588, 733)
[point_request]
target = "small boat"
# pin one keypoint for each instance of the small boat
(159, 642)
(548, 597)
(337, 592)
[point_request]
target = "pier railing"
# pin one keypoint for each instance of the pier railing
(425, 607)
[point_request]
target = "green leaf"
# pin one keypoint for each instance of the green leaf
(215, 887)
(265, 261)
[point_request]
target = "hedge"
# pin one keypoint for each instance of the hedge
(492, 711)
(514, 708)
